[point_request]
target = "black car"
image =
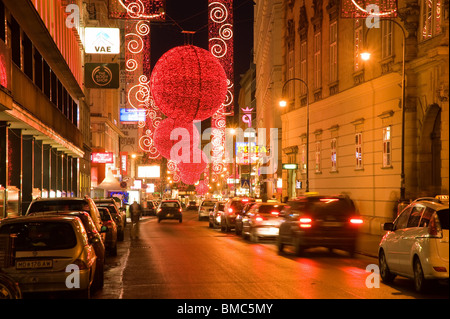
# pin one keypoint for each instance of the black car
(319, 221)
(169, 209)
(117, 216)
(192, 205)
(149, 208)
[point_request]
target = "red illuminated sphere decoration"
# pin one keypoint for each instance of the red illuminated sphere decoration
(184, 137)
(188, 83)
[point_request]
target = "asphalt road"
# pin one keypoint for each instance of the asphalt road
(188, 260)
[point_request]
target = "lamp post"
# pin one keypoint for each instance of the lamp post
(366, 56)
(283, 103)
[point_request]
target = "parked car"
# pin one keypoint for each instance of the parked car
(416, 244)
(233, 207)
(215, 214)
(119, 218)
(262, 220)
(169, 209)
(192, 205)
(44, 247)
(238, 222)
(149, 208)
(111, 234)
(94, 238)
(121, 212)
(85, 204)
(319, 221)
(205, 207)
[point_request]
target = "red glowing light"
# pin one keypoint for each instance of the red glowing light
(356, 221)
(188, 83)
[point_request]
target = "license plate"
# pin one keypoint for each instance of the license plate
(269, 231)
(332, 224)
(34, 264)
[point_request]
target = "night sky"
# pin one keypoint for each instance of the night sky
(192, 15)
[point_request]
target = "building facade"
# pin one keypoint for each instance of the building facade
(44, 119)
(358, 143)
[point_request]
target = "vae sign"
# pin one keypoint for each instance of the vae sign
(101, 75)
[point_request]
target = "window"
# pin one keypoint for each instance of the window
(358, 150)
(334, 155)
(431, 18)
(291, 75)
(387, 147)
(414, 218)
(317, 60)
(333, 52)
(358, 44)
(387, 39)
(303, 168)
(303, 65)
(318, 156)
(402, 220)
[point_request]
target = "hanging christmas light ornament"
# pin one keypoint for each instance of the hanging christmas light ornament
(178, 138)
(188, 83)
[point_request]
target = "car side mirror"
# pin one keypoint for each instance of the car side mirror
(104, 229)
(388, 226)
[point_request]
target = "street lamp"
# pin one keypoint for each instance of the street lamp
(366, 56)
(283, 103)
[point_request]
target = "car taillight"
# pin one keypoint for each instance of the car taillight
(180, 210)
(305, 222)
(356, 221)
(230, 210)
(158, 210)
(80, 264)
(434, 229)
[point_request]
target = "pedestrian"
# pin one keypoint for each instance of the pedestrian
(135, 214)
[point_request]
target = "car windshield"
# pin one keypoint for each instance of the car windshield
(170, 204)
(443, 218)
(41, 235)
(221, 207)
(268, 209)
(324, 206)
(104, 213)
(111, 208)
(56, 205)
(209, 203)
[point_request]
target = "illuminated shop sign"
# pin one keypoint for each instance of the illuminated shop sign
(132, 115)
(101, 75)
(102, 40)
(103, 158)
(290, 166)
(149, 171)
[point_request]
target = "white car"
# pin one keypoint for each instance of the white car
(205, 207)
(416, 244)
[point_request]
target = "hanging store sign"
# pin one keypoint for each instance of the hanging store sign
(103, 158)
(102, 40)
(101, 75)
(132, 115)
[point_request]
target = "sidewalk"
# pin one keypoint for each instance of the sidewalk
(368, 244)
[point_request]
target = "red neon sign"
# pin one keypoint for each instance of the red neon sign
(103, 158)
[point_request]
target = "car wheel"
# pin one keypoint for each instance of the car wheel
(113, 251)
(99, 277)
(280, 245)
(253, 236)
(298, 248)
(420, 283)
(180, 220)
(211, 225)
(120, 236)
(159, 220)
(238, 231)
(385, 273)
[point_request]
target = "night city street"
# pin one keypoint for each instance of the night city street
(191, 261)
(225, 157)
